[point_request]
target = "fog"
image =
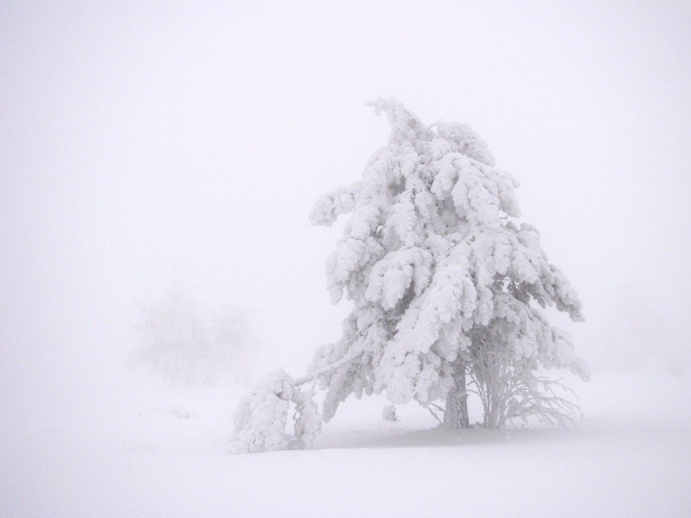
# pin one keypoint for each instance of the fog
(158, 147)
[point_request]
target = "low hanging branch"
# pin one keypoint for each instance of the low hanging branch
(261, 419)
(325, 370)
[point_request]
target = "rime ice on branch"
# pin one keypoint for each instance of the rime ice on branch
(445, 282)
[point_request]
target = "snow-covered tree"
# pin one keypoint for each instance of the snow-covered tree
(188, 347)
(442, 277)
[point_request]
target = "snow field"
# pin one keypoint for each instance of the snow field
(145, 450)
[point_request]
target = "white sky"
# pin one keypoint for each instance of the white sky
(152, 146)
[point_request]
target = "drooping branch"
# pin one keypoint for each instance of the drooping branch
(404, 125)
(325, 370)
(261, 419)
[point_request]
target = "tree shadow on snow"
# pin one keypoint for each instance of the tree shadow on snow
(440, 437)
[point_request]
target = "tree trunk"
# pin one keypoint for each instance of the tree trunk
(456, 413)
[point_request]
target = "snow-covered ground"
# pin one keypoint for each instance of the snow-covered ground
(143, 450)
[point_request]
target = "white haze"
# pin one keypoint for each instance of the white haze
(159, 146)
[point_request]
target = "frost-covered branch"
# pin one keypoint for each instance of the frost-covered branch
(509, 393)
(261, 419)
(325, 370)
